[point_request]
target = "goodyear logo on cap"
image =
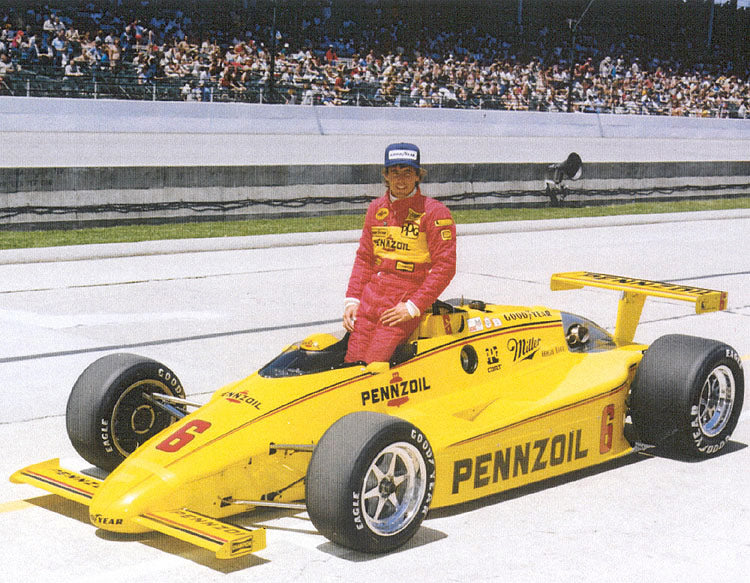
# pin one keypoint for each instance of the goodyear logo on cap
(402, 154)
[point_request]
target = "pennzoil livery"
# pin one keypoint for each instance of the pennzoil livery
(482, 398)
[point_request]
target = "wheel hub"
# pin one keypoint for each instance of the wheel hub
(143, 419)
(387, 487)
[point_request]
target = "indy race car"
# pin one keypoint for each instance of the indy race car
(482, 398)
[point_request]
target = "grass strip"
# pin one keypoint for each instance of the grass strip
(229, 228)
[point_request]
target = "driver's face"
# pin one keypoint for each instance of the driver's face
(402, 180)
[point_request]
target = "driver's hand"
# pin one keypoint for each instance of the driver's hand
(350, 316)
(395, 315)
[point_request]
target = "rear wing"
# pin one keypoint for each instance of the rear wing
(634, 294)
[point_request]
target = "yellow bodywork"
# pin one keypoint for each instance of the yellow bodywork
(502, 398)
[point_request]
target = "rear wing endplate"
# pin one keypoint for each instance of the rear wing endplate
(634, 293)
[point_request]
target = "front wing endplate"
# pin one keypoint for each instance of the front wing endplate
(228, 541)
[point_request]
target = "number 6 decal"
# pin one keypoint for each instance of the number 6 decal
(183, 436)
(605, 439)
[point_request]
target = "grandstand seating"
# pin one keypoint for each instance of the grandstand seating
(330, 53)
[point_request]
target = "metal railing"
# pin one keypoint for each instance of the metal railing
(125, 84)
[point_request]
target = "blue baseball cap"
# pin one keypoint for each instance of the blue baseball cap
(402, 154)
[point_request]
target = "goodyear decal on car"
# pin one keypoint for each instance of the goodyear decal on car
(517, 460)
(527, 315)
(396, 393)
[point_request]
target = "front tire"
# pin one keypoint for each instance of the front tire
(370, 482)
(687, 395)
(108, 417)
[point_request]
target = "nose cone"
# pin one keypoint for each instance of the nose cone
(130, 490)
(113, 509)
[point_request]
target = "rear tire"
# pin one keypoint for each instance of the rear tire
(687, 395)
(107, 416)
(370, 482)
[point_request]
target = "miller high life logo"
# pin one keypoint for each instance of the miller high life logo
(524, 348)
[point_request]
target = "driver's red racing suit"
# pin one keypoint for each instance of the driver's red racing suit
(407, 252)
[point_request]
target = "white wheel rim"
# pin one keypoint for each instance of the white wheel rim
(393, 488)
(716, 401)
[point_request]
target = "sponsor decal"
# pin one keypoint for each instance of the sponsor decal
(402, 154)
(493, 360)
(104, 434)
(410, 230)
(103, 520)
(73, 477)
(553, 351)
(646, 283)
(390, 244)
(447, 324)
(730, 353)
(171, 381)
(518, 460)
(396, 393)
(475, 324)
(404, 266)
(241, 397)
(414, 216)
(210, 522)
(446, 235)
(524, 348)
(497, 322)
(514, 316)
(443, 222)
(382, 214)
(356, 512)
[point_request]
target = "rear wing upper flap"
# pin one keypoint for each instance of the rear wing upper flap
(635, 292)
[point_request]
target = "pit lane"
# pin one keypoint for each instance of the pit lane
(215, 316)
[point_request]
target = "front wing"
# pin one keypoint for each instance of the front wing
(227, 541)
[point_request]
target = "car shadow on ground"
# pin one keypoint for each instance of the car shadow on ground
(423, 536)
(729, 448)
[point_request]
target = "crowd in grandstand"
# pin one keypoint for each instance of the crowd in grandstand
(325, 54)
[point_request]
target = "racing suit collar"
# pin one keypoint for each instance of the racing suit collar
(393, 200)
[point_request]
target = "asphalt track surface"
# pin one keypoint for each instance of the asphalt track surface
(217, 314)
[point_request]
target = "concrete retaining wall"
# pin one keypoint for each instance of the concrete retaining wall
(81, 161)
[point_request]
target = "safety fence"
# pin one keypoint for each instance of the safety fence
(125, 84)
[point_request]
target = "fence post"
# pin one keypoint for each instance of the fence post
(28, 87)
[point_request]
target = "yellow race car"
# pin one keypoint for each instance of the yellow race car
(483, 398)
